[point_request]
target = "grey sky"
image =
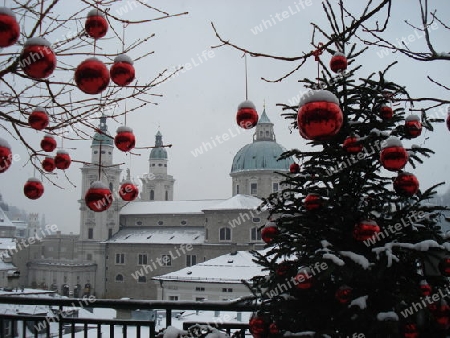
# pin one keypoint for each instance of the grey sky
(200, 104)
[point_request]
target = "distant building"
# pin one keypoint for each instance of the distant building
(119, 251)
(219, 278)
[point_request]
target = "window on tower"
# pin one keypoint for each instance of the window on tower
(237, 188)
(152, 195)
(110, 231)
(90, 233)
(167, 195)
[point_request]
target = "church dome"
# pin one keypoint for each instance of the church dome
(159, 152)
(263, 153)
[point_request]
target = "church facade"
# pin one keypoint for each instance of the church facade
(118, 251)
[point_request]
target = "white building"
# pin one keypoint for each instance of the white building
(219, 278)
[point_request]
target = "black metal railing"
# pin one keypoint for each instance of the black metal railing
(59, 324)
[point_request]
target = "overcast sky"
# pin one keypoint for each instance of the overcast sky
(200, 103)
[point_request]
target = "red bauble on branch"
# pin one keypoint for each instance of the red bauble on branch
(386, 112)
(33, 188)
(411, 331)
(365, 230)
(122, 71)
(304, 279)
(48, 164)
(258, 326)
(313, 202)
(269, 232)
(294, 168)
(444, 266)
(406, 184)
(425, 288)
(5, 155)
(125, 139)
(38, 60)
(128, 191)
(96, 25)
(247, 116)
(344, 294)
(38, 119)
(319, 115)
(441, 314)
(62, 159)
(48, 143)
(9, 28)
(393, 156)
(338, 62)
(98, 197)
(413, 126)
(352, 144)
(92, 76)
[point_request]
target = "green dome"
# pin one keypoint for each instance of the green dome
(261, 155)
(158, 154)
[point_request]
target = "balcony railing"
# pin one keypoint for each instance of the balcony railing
(60, 322)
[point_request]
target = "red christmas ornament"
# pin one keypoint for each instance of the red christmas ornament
(273, 329)
(38, 119)
(48, 143)
(269, 232)
(365, 230)
(128, 191)
(33, 188)
(98, 197)
(444, 266)
(48, 164)
(38, 60)
(92, 76)
(441, 314)
(96, 24)
(386, 112)
(304, 279)
(62, 159)
(413, 126)
(5, 155)
(338, 62)
(425, 288)
(122, 71)
(352, 145)
(406, 184)
(247, 116)
(283, 269)
(393, 156)
(9, 28)
(448, 119)
(257, 326)
(125, 139)
(344, 294)
(294, 168)
(410, 331)
(319, 116)
(312, 202)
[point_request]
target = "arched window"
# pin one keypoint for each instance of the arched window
(152, 195)
(225, 234)
(167, 195)
(255, 234)
(119, 278)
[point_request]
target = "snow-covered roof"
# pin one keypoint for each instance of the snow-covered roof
(4, 220)
(166, 235)
(237, 202)
(7, 243)
(229, 268)
(167, 207)
(7, 266)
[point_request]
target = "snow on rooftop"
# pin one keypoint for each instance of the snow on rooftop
(238, 202)
(168, 207)
(166, 235)
(7, 243)
(4, 220)
(229, 268)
